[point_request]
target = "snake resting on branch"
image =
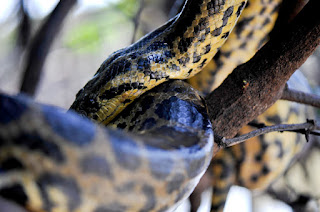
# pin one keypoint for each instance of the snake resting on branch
(56, 161)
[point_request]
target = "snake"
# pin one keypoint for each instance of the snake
(56, 161)
(257, 163)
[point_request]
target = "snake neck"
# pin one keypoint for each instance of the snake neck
(177, 50)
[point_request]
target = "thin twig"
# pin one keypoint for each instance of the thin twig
(300, 97)
(306, 128)
(41, 44)
(136, 20)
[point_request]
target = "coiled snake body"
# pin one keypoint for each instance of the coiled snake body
(51, 161)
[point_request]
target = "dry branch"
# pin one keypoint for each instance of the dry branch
(136, 20)
(40, 46)
(300, 97)
(305, 128)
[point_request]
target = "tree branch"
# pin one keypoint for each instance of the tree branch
(136, 21)
(256, 85)
(23, 33)
(305, 128)
(41, 44)
(300, 97)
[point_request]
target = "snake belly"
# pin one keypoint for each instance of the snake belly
(56, 161)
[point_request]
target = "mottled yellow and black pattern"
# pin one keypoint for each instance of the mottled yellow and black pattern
(250, 33)
(53, 161)
(257, 163)
(177, 50)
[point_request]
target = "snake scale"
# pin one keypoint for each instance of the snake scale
(56, 161)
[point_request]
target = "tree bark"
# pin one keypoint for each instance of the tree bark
(256, 85)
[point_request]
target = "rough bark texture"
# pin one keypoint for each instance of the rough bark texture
(41, 44)
(256, 85)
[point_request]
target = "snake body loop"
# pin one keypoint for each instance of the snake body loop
(177, 50)
(52, 161)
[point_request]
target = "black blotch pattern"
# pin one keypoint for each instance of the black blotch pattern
(254, 178)
(196, 58)
(184, 44)
(126, 188)
(258, 157)
(275, 9)
(9, 164)
(96, 165)
(218, 206)
(276, 119)
(67, 185)
(203, 63)
(122, 125)
(280, 147)
(144, 103)
(148, 124)
(267, 21)
(115, 91)
(227, 54)
(217, 32)
(160, 170)
(184, 60)
(243, 46)
(265, 170)
(192, 8)
(149, 192)
(225, 35)
(227, 170)
(175, 183)
(262, 11)
(227, 15)
(208, 48)
(14, 193)
(240, 8)
(241, 25)
(36, 143)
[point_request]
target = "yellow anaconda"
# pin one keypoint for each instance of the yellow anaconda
(257, 163)
(51, 161)
(56, 161)
(177, 50)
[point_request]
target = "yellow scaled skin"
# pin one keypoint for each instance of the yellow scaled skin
(189, 52)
